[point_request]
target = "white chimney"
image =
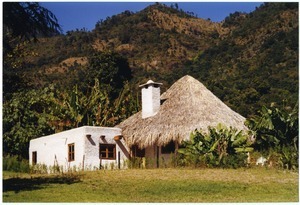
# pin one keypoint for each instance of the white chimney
(150, 98)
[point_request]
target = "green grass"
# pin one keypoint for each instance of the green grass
(155, 185)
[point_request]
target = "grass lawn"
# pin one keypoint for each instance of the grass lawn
(155, 185)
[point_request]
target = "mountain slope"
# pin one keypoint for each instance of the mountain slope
(155, 40)
(158, 37)
(257, 64)
(248, 60)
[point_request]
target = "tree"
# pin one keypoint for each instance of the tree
(26, 116)
(27, 20)
(91, 108)
(111, 69)
(176, 6)
(276, 130)
(219, 147)
(22, 21)
(35, 113)
(95, 107)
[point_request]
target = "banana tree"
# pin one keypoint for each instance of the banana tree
(216, 146)
(276, 129)
(91, 108)
(228, 142)
(95, 107)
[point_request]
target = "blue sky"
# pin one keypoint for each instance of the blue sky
(78, 15)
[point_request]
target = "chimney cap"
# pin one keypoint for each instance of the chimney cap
(150, 82)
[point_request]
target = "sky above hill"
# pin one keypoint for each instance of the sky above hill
(79, 15)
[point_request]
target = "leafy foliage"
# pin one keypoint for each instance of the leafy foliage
(97, 108)
(257, 64)
(12, 163)
(22, 21)
(35, 113)
(277, 131)
(110, 69)
(220, 147)
(28, 19)
(25, 117)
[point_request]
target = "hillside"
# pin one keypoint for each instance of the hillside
(91, 78)
(157, 38)
(257, 64)
(247, 54)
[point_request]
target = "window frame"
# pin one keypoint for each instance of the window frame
(34, 158)
(71, 152)
(104, 149)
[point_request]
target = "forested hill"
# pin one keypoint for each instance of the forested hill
(64, 81)
(248, 60)
(155, 41)
(257, 64)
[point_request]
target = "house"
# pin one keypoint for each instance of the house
(166, 121)
(86, 147)
(154, 133)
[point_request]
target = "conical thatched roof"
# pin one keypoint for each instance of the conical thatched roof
(187, 105)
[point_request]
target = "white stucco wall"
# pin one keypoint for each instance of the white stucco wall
(92, 147)
(53, 149)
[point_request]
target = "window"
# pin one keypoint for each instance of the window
(169, 148)
(34, 158)
(71, 152)
(137, 152)
(108, 151)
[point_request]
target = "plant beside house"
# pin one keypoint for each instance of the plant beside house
(219, 147)
(272, 136)
(277, 135)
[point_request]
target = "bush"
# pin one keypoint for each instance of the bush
(135, 162)
(276, 131)
(13, 163)
(220, 147)
(235, 161)
(39, 169)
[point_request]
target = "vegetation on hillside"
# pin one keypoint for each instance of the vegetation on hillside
(257, 64)
(22, 23)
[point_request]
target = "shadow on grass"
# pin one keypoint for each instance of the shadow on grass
(29, 184)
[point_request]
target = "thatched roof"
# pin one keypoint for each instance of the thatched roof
(187, 105)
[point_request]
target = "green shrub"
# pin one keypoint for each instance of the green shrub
(15, 164)
(135, 163)
(277, 131)
(39, 169)
(220, 147)
(235, 161)
(289, 157)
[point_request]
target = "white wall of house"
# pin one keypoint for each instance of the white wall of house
(53, 149)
